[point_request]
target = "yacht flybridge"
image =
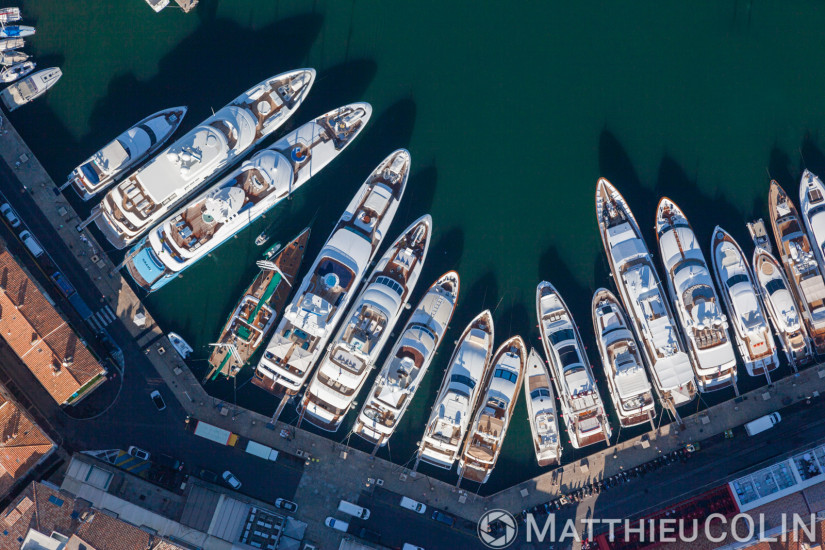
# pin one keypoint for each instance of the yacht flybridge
(695, 299)
(458, 393)
(643, 297)
(581, 404)
(354, 350)
(630, 389)
(801, 264)
(494, 411)
(407, 364)
(541, 411)
(148, 194)
(782, 308)
(319, 303)
(741, 295)
(124, 152)
(236, 201)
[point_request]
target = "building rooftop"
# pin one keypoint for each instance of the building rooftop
(42, 339)
(22, 444)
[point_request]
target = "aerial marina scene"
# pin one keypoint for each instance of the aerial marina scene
(285, 275)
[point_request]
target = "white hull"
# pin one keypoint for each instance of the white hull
(742, 299)
(145, 197)
(643, 297)
(30, 88)
(408, 362)
(359, 341)
(581, 404)
(541, 411)
(453, 407)
(16, 71)
(319, 303)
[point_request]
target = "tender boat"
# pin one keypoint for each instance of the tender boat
(254, 317)
(581, 404)
(181, 347)
(198, 228)
(11, 44)
(12, 57)
(157, 5)
(124, 152)
(782, 308)
(145, 197)
(630, 388)
(261, 239)
(695, 299)
(14, 31)
(541, 411)
(9, 15)
(30, 88)
(643, 297)
(801, 264)
(457, 396)
(319, 303)
(407, 364)
(759, 235)
(354, 350)
(16, 71)
(747, 313)
(494, 411)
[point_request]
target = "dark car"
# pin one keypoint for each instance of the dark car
(446, 519)
(287, 505)
(207, 475)
(369, 535)
(169, 462)
(158, 400)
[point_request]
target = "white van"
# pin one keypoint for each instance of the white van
(413, 505)
(338, 524)
(408, 546)
(31, 244)
(761, 424)
(353, 509)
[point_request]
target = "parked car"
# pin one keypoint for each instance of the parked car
(207, 475)
(158, 400)
(353, 509)
(10, 215)
(138, 453)
(446, 519)
(369, 535)
(285, 504)
(408, 546)
(31, 243)
(233, 481)
(413, 505)
(338, 524)
(169, 462)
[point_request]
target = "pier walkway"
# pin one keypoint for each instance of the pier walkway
(335, 471)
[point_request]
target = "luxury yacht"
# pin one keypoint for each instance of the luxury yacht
(695, 299)
(541, 411)
(148, 194)
(30, 88)
(336, 274)
(801, 264)
(252, 319)
(643, 297)
(782, 308)
(759, 235)
(812, 202)
(630, 388)
(407, 364)
(747, 313)
(494, 411)
(457, 396)
(16, 71)
(198, 228)
(123, 153)
(354, 350)
(581, 405)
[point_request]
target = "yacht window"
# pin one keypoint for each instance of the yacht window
(688, 263)
(562, 335)
(541, 392)
(736, 279)
(506, 374)
(465, 380)
(386, 281)
(569, 356)
(774, 285)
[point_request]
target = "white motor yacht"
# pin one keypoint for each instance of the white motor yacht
(541, 411)
(30, 88)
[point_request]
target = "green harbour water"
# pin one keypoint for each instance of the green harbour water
(511, 113)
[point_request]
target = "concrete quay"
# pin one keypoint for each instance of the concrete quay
(336, 471)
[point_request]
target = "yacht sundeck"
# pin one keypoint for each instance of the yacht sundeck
(407, 364)
(541, 411)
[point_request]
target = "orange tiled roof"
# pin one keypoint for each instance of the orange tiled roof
(22, 442)
(40, 336)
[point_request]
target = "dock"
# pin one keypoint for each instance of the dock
(334, 470)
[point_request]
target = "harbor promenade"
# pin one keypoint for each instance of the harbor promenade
(333, 470)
